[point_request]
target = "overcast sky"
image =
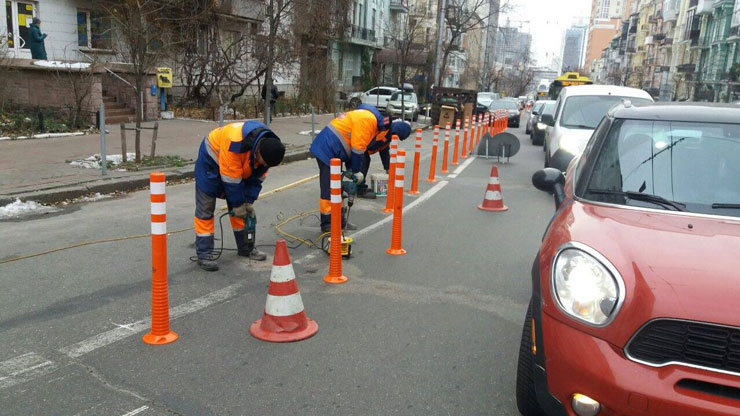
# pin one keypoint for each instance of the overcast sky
(547, 19)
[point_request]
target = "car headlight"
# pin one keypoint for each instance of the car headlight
(541, 126)
(569, 144)
(586, 288)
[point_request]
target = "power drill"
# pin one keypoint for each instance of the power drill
(250, 225)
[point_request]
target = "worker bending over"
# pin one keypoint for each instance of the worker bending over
(232, 163)
(348, 137)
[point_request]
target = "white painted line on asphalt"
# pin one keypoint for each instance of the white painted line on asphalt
(124, 331)
(461, 168)
(425, 196)
(23, 368)
(136, 411)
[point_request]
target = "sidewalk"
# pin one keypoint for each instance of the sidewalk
(39, 169)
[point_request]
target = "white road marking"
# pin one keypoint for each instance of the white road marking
(461, 168)
(124, 331)
(23, 368)
(136, 411)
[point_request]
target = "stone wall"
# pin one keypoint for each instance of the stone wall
(124, 94)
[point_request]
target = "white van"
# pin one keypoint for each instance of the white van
(578, 110)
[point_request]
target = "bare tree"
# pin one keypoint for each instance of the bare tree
(81, 81)
(315, 43)
(4, 70)
(146, 31)
(462, 16)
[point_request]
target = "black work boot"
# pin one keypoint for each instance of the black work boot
(207, 264)
(253, 254)
(246, 249)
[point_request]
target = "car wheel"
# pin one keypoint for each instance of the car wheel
(547, 157)
(416, 117)
(526, 397)
(354, 103)
(527, 130)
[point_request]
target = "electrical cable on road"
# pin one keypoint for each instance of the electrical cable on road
(132, 237)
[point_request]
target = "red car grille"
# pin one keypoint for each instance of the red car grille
(667, 341)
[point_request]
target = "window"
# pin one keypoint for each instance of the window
(93, 29)
(586, 111)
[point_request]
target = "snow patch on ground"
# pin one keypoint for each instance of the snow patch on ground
(17, 209)
(97, 197)
(306, 132)
(60, 64)
(93, 162)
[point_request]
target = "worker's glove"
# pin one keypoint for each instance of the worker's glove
(358, 177)
(241, 211)
(250, 210)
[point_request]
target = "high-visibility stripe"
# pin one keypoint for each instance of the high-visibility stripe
(156, 188)
(358, 151)
(493, 195)
(493, 180)
(399, 183)
(203, 235)
(335, 170)
(341, 139)
(204, 227)
(336, 183)
(158, 208)
(211, 152)
(230, 179)
(282, 274)
(284, 305)
(324, 206)
(336, 199)
(159, 228)
(400, 171)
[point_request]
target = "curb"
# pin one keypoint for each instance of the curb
(122, 184)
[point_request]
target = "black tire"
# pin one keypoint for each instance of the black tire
(526, 397)
(354, 103)
(416, 117)
(547, 157)
(527, 130)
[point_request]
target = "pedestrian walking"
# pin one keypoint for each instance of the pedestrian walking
(36, 43)
(348, 138)
(232, 163)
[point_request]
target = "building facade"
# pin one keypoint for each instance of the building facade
(572, 54)
(604, 23)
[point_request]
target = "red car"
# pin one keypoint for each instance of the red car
(635, 305)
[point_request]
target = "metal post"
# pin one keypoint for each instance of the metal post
(154, 139)
(486, 149)
(103, 159)
(220, 115)
(123, 142)
(313, 123)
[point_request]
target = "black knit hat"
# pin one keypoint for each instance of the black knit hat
(272, 150)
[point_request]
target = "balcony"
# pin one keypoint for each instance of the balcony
(398, 6)
(666, 42)
(704, 7)
(362, 36)
(734, 33)
(686, 68)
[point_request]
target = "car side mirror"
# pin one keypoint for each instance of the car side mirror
(553, 181)
(547, 119)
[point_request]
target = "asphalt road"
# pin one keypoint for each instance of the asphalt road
(434, 332)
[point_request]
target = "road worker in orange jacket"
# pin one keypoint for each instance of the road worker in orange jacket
(347, 137)
(232, 163)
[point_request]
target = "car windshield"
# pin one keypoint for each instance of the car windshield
(537, 107)
(406, 97)
(503, 105)
(681, 166)
(549, 108)
(586, 111)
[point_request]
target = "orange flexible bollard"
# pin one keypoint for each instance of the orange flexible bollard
(390, 191)
(160, 333)
(457, 143)
(417, 155)
(396, 234)
(433, 163)
(472, 136)
(335, 245)
(481, 120)
(465, 128)
(446, 152)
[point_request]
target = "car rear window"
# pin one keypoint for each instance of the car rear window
(586, 111)
(503, 105)
(696, 165)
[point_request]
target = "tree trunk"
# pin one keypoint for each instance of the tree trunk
(139, 109)
(270, 58)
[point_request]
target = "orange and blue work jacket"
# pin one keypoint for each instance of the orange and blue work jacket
(348, 136)
(381, 144)
(226, 165)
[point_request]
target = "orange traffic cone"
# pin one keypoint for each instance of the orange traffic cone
(493, 200)
(284, 319)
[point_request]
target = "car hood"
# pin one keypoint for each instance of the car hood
(408, 104)
(673, 265)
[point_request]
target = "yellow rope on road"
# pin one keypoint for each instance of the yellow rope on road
(131, 237)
